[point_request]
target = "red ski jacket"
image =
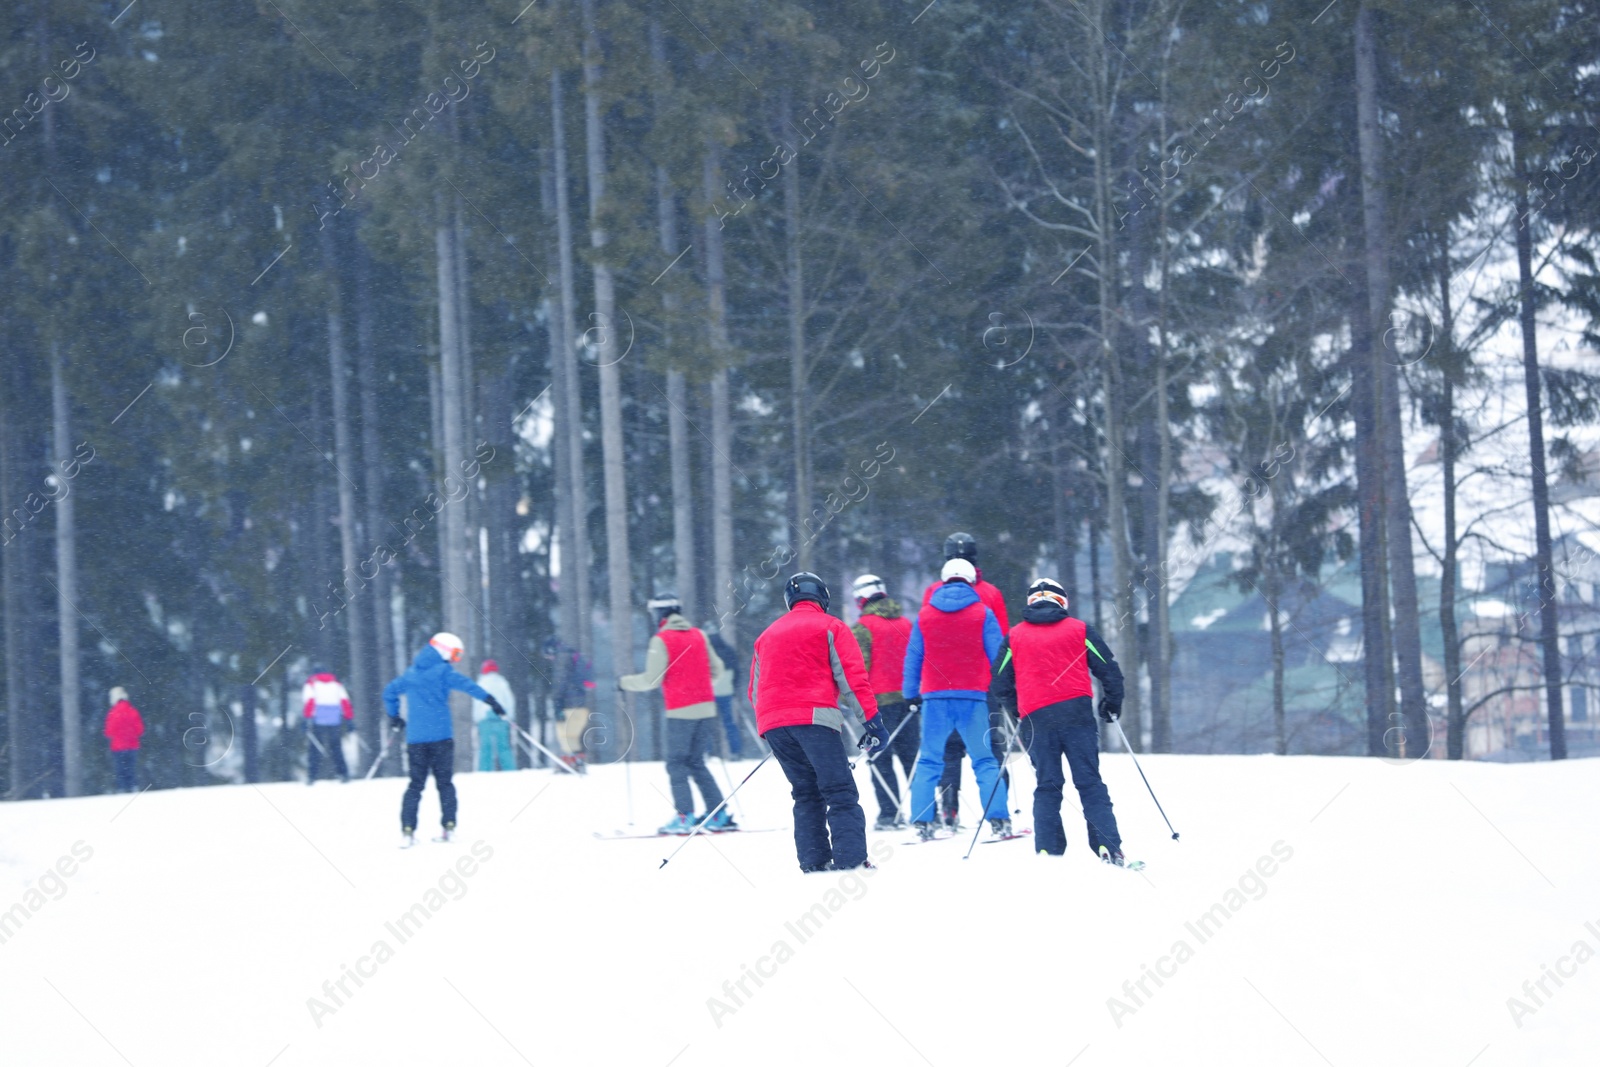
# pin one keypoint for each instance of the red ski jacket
(124, 726)
(688, 677)
(987, 592)
(889, 639)
(804, 669)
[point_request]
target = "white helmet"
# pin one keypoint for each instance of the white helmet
(868, 586)
(959, 568)
(447, 645)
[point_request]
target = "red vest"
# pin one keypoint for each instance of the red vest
(889, 639)
(688, 677)
(1051, 663)
(987, 592)
(953, 656)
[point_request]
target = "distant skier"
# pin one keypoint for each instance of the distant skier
(430, 744)
(124, 727)
(883, 633)
(1044, 672)
(572, 690)
(723, 686)
(806, 668)
(494, 732)
(953, 643)
(681, 663)
(327, 717)
(965, 546)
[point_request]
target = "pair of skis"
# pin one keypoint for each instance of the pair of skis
(621, 835)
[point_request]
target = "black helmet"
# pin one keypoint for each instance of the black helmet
(805, 586)
(663, 604)
(961, 546)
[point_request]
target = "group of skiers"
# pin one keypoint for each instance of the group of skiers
(957, 679)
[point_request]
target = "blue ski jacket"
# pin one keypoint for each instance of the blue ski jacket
(947, 599)
(428, 682)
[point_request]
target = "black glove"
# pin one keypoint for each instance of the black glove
(494, 706)
(397, 722)
(876, 737)
(913, 705)
(1110, 711)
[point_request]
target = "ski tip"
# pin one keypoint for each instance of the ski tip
(663, 864)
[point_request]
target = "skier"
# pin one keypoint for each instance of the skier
(681, 663)
(430, 740)
(953, 643)
(1045, 664)
(964, 546)
(494, 733)
(882, 634)
(804, 669)
(124, 727)
(327, 718)
(723, 686)
(572, 688)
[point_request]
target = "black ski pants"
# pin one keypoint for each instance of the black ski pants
(828, 821)
(905, 746)
(439, 758)
(1069, 730)
(328, 738)
(687, 740)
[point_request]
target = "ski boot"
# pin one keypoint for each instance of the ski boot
(1112, 856)
(719, 823)
(864, 865)
(446, 833)
(925, 831)
(1001, 827)
(951, 820)
(408, 836)
(886, 822)
(681, 825)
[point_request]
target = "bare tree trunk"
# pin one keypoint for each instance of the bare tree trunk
(344, 463)
(614, 457)
(1456, 729)
(372, 478)
(1549, 634)
(455, 583)
(1280, 732)
(14, 606)
(721, 420)
(577, 562)
(799, 400)
(1406, 633)
(248, 739)
(66, 581)
(566, 524)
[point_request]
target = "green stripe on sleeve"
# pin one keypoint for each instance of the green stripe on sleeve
(1091, 648)
(1004, 662)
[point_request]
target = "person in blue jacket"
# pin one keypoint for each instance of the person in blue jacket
(948, 662)
(430, 741)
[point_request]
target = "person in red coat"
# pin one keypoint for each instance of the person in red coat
(964, 546)
(883, 633)
(805, 670)
(124, 727)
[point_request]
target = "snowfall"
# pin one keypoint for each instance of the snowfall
(1315, 911)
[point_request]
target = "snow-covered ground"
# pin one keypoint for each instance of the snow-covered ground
(1359, 913)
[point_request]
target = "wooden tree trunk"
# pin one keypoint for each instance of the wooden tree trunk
(454, 580)
(619, 572)
(576, 571)
(721, 414)
(476, 635)
(798, 393)
(1544, 562)
(377, 530)
(1406, 634)
(66, 581)
(355, 619)
(13, 605)
(1456, 722)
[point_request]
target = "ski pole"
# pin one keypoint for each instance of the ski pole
(529, 738)
(899, 809)
(383, 750)
(728, 778)
(999, 777)
(1140, 769)
(712, 813)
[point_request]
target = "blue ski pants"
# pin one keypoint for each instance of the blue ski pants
(969, 718)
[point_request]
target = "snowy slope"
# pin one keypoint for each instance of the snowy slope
(1404, 906)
